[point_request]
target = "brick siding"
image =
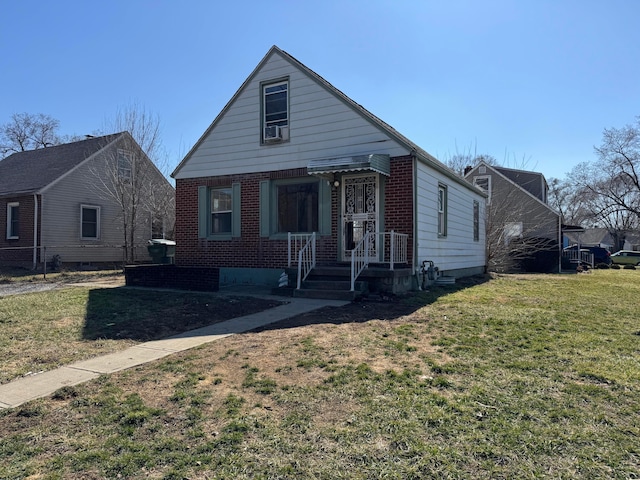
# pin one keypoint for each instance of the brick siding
(250, 250)
(201, 279)
(9, 254)
(399, 208)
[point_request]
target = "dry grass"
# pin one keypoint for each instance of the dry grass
(41, 331)
(518, 377)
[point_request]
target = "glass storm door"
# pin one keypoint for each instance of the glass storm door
(360, 206)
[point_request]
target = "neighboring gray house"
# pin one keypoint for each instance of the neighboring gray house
(523, 231)
(74, 200)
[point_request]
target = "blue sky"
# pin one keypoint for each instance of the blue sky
(531, 82)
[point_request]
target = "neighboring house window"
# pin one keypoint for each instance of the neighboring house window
(89, 222)
(221, 211)
(484, 182)
(512, 230)
(297, 207)
(476, 221)
(442, 210)
(275, 107)
(124, 164)
(12, 220)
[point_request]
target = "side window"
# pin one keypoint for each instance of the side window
(476, 221)
(442, 211)
(275, 108)
(89, 222)
(13, 220)
(512, 230)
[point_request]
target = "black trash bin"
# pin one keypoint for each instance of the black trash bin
(161, 250)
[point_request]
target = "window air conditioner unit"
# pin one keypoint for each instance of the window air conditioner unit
(272, 134)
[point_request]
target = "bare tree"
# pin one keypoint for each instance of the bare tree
(520, 235)
(570, 201)
(136, 178)
(610, 187)
(616, 175)
(28, 132)
(146, 128)
(459, 162)
(127, 178)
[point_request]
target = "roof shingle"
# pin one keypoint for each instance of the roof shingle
(31, 171)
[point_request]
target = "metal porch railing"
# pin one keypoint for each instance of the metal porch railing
(304, 247)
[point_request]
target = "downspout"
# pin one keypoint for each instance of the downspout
(35, 231)
(559, 243)
(414, 162)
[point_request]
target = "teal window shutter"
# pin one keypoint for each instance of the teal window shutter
(235, 201)
(264, 208)
(324, 205)
(203, 211)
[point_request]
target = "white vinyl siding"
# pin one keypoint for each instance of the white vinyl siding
(321, 125)
(457, 250)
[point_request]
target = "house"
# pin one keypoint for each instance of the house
(591, 237)
(73, 202)
(523, 231)
(290, 155)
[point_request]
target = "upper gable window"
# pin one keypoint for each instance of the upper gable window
(124, 164)
(275, 107)
(484, 182)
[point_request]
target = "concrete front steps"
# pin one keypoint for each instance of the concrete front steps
(334, 282)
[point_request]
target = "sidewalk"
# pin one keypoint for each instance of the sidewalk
(19, 391)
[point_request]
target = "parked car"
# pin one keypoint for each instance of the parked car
(600, 254)
(626, 257)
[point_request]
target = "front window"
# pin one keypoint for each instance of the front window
(297, 207)
(12, 220)
(90, 222)
(221, 211)
(442, 210)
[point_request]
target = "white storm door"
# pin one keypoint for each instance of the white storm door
(360, 210)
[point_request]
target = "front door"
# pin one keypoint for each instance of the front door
(360, 207)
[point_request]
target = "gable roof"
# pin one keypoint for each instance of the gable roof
(33, 170)
(532, 182)
(512, 176)
(420, 153)
(591, 236)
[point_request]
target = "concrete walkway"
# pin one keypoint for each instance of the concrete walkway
(44, 384)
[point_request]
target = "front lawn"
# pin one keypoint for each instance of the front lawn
(533, 376)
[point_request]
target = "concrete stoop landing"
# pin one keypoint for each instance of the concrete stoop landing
(334, 283)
